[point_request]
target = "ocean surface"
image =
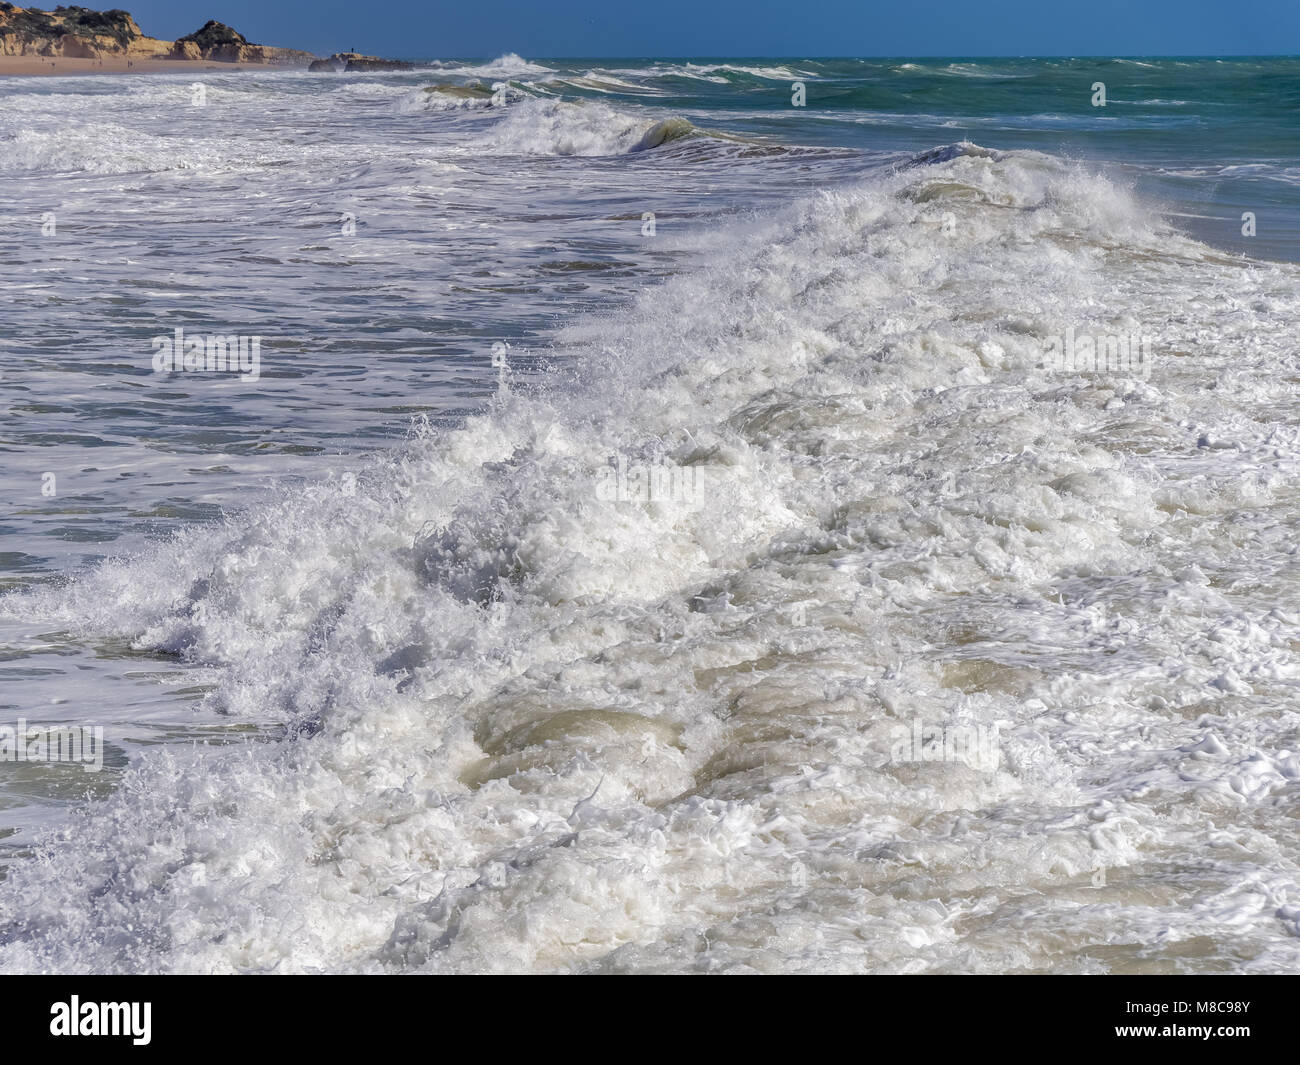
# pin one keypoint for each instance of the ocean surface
(655, 535)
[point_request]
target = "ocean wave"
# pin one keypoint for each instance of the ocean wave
(532, 126)
(504, 66)
(976, 70)
(532, 727)
(583, 128)
(945, 153)
(101, 148)
(452, 97)
(594, 81)
(713, 73)
(764, 73)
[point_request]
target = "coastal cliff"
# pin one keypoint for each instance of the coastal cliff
(215, 40)
(80, 33)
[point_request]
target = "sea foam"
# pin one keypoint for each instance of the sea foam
(527, 728)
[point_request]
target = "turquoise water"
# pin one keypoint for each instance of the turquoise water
(1211, 137)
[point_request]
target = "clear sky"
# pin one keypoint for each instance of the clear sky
(677, 28)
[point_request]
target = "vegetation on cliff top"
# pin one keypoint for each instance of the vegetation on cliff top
(69, 21)
(214, 34)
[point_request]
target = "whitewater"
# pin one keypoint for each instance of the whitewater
(411, 693)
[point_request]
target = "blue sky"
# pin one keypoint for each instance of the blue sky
(421, 29)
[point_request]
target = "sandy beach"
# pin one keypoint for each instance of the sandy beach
(59, 66)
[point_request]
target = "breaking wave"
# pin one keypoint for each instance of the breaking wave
(531, 727)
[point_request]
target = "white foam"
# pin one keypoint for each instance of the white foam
(542, 731)
(504, 66)
(97, 148)
(559, 127)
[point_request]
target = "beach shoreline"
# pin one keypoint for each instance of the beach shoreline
(22, 66)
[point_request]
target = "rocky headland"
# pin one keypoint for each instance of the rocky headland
(341, 62)
(79, 33)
